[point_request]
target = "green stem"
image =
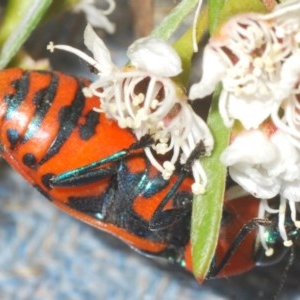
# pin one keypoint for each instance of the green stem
(171, 22)
(21, 21)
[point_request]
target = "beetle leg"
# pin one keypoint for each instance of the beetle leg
(246, 229)
(164, 218)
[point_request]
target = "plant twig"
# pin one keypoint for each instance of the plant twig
(143, 17)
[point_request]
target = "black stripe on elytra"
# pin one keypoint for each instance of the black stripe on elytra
(68, 120)
(115, 206)
(42, 100)
(13, 137)
(13, 101)
(87, 204)
(46, 180)
(29, 160)
(87, 130)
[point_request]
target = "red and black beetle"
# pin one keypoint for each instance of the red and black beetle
(48, 128)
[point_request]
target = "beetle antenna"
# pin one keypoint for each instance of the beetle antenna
(285, 272)
(156, 222)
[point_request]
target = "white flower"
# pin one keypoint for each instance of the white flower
(157, 62)
(247, 158)
(144, 98)
(256, 57)
(288, 117)
(265, 164)
(97, 17)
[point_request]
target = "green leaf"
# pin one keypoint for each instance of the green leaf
(220, 13)
(207, 209)
(184, 45)
(215, 7)
(21, 19)
(171, 22)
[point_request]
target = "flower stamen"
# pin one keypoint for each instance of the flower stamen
(96, 16)
(144, 98)
(194, 34)
(256, 58)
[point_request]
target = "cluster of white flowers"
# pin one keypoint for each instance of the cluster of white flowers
(143, 97)
(256, 57)
(95, 16)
